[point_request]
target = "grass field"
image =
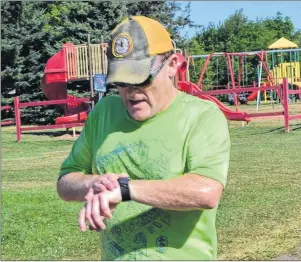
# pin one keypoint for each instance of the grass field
(258, 218)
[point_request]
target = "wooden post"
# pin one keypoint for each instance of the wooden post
(90, 71)
(17, 118)
(239, 70)
(230, 66)
(187, 67)
(102, 56)
(285, 104)
(100, 94)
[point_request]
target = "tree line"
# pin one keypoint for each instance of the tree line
(34, 31)
(237, 34)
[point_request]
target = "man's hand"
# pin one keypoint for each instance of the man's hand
(98, 207)
(101, 200)
(106, 182)
(74, 186)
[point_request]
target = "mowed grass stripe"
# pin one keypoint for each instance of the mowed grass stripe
(37, 225)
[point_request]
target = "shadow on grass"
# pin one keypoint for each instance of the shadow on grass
(297, 127)
(293, 127)
(52, 133)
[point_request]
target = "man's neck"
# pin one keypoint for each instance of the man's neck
(172, 96)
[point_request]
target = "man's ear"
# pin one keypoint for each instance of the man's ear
(173, 65)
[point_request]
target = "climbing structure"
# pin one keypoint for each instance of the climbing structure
(250, 69)
(286, 62)
(73, 63)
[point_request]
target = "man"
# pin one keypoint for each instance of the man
(151, 164)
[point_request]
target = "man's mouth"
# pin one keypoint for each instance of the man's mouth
(136, 102)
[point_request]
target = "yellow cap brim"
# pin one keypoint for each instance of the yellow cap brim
(129, 71)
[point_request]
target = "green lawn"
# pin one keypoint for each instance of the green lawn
(258, 218)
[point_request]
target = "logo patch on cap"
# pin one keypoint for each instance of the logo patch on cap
(122, 45)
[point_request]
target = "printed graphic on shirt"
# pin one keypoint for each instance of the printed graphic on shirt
(130, 239)
(138, 158)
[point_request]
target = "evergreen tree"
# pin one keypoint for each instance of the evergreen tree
(34, 31)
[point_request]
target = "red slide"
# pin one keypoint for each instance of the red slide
(80, 117)
(191, 88)
(253, 96)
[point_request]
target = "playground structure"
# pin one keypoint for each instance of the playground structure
(72, 64)
(194, 90)
(282, 89)
(237, 76)
(281, 79)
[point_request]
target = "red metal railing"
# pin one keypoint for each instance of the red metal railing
(18, 105)
(283, 91)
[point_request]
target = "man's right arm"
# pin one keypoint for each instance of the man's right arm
(74, 186)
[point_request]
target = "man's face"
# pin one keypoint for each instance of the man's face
(142, 103)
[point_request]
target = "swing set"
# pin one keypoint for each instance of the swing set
(250, 69)
(244, 76)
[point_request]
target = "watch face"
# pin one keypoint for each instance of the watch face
(122, 45)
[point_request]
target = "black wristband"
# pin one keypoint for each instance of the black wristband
(124, 188)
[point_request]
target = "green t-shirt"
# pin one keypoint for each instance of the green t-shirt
(191, 136)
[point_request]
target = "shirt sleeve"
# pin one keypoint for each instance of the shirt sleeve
(80, 157)
(208, 151)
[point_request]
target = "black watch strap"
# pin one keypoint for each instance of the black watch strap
(124, 188)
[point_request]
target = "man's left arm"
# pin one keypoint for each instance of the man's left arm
(188, 192)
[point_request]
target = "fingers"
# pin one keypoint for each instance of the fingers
(98, 187)
(98, 207)
(104, 206)
(97, 218)
(113, 180)
(92, 229)
(101, 228)
(108, 181)
(94, 218)
(81, 219)
(88, 208)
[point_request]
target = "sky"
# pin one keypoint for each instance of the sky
(203, 12)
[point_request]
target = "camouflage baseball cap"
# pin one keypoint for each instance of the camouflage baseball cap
(134, 43)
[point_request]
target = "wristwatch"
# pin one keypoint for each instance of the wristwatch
(124, 188)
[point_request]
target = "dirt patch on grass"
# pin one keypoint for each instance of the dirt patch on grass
(67, 137)
(296, 255)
